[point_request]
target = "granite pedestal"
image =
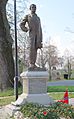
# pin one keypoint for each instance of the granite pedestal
(34, 88)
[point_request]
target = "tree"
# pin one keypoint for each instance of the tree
(21, 36)
(69, 60)
(6, 57)
(52, 58)
(48, 56)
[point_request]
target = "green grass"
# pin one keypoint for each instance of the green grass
(6, 100)
(56, 96)
(59, 96)
(10, 92)
(60, 88)
(7, 96)
(56, 92)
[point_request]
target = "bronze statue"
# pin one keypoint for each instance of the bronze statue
(35, 33)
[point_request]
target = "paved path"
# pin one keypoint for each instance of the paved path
(61, 83)
(3, 115)
(1, 112)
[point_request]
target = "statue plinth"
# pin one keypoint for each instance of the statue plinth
(34, 88)
(34, 82)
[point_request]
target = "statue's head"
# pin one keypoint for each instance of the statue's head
(33, 8)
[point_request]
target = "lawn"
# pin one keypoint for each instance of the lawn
(60, 95)
(60, 88)
(10, 91)
(56, 92)
(6, 100)
(55, 95)
(6, 97)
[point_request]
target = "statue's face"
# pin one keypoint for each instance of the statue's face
(33, 8)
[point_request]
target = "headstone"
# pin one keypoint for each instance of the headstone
(55, 74)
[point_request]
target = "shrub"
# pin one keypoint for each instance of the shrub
(64, 110)
(36, 111)
(55, 111)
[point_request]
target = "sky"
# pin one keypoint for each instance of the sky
(57, 20)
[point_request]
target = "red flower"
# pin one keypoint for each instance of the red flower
(45, 113)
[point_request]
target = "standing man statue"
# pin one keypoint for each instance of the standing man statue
(35, 34)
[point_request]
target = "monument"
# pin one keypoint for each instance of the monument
(55, 74)
(35, 78)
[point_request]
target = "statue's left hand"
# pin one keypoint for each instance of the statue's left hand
(39, 45)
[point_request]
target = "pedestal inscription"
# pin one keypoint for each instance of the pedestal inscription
(37, 86)
(34, 82)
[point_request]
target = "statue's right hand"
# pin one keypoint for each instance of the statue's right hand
(25, 29)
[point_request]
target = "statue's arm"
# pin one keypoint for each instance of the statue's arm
(40, 30)
(40, 35)
(23, 23)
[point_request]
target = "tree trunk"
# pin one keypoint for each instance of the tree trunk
(6, 57)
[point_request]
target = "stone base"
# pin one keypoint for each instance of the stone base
(10, 110)
(34, 88)
(34, 82)
(43, 99)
